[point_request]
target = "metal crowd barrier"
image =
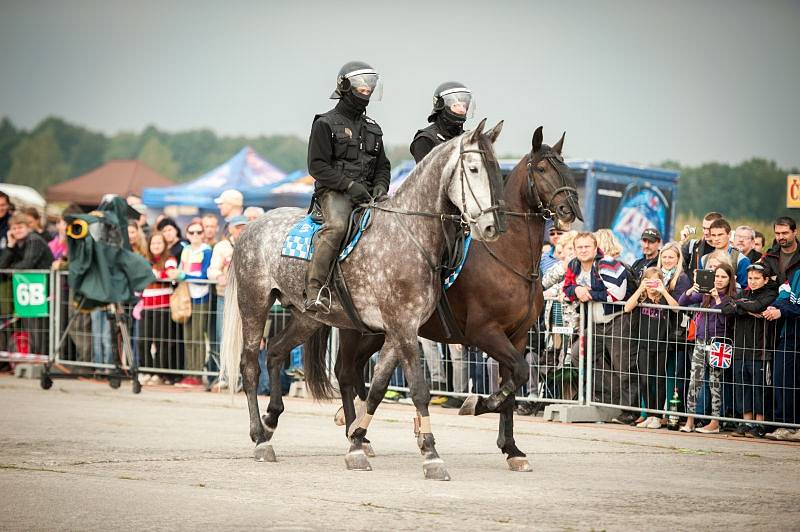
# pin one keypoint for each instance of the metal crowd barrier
(554, 351)
(666, 374)
(576, 355)
(159, 345)
(25, 315)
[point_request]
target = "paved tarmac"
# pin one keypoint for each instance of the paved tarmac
(84, 457)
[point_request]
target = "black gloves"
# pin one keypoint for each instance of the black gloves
(358, 193)
(379, 192)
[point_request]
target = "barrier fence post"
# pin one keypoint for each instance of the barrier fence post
(586, 309)
(582, 357)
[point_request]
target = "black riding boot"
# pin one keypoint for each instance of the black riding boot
(336, 208)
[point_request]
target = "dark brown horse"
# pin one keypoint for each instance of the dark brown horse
(497, 297)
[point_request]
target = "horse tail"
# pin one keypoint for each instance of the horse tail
(231, 348)
(316, 370)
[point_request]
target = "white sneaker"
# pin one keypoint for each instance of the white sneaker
(643, 424)
(155, 380)
(653, 422)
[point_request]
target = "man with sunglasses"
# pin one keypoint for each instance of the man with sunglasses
(346, 158)
(452, 105)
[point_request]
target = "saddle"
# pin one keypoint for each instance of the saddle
(299, 244)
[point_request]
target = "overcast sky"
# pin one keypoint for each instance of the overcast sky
(631, 81)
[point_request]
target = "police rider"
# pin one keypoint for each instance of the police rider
(452, 105)
(347, 161)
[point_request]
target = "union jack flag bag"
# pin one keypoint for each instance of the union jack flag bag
(720, 353)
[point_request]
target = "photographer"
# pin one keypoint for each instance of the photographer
(695, 249)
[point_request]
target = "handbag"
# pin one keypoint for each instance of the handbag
(720, 352)
(180, 304)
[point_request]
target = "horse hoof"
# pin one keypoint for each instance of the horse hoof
(338, 417)
(357, 461)
(265, 453)
(434, 469)
(368, 450)
(468, 408)
(519, 464)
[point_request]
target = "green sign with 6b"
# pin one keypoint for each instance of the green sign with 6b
(30, 295)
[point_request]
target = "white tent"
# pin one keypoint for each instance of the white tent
(23, 196)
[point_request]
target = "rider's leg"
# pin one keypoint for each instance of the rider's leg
(336, 208)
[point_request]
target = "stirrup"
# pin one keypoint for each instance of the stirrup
(320, 303)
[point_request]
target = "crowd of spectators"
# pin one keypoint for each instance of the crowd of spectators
(719, 343)
(194, 253)
(655, 322)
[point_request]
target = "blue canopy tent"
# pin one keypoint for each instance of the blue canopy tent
(246, 172)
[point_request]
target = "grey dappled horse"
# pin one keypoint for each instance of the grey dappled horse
(393, 278)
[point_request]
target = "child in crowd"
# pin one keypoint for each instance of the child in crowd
(708, 325)
(158, 330)
(752, 340)
(650, 326)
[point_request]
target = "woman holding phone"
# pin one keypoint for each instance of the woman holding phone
(709, 325)
(650, 326)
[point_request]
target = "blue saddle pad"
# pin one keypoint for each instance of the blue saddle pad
(450, 279)
(299, 242)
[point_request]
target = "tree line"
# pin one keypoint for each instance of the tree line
(56, 150)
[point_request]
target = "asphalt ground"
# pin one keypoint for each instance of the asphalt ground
(84, 457)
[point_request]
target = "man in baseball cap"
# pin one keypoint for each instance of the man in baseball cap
(651, 244)
(230, 203)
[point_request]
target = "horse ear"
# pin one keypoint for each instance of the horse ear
(495, 132)
(473, 137)
(560, 144)
(538, 137)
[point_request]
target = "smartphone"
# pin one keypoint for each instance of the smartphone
(705, 280)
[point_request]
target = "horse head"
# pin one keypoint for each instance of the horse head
(476, 184)
(550, 186)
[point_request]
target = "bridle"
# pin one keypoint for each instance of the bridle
(540, 208)
(464, 219)
(539, 211)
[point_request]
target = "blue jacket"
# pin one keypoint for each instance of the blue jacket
(788, 302)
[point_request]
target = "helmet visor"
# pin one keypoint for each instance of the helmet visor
(459, 102)
(366, 85)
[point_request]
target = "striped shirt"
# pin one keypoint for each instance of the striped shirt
(157, 294)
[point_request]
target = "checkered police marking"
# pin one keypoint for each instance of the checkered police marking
(299, 242)
(450, 279)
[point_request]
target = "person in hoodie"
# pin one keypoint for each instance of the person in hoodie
(752, 341)
(708, 325)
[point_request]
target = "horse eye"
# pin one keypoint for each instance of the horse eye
(540, 169)
(473, 168)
